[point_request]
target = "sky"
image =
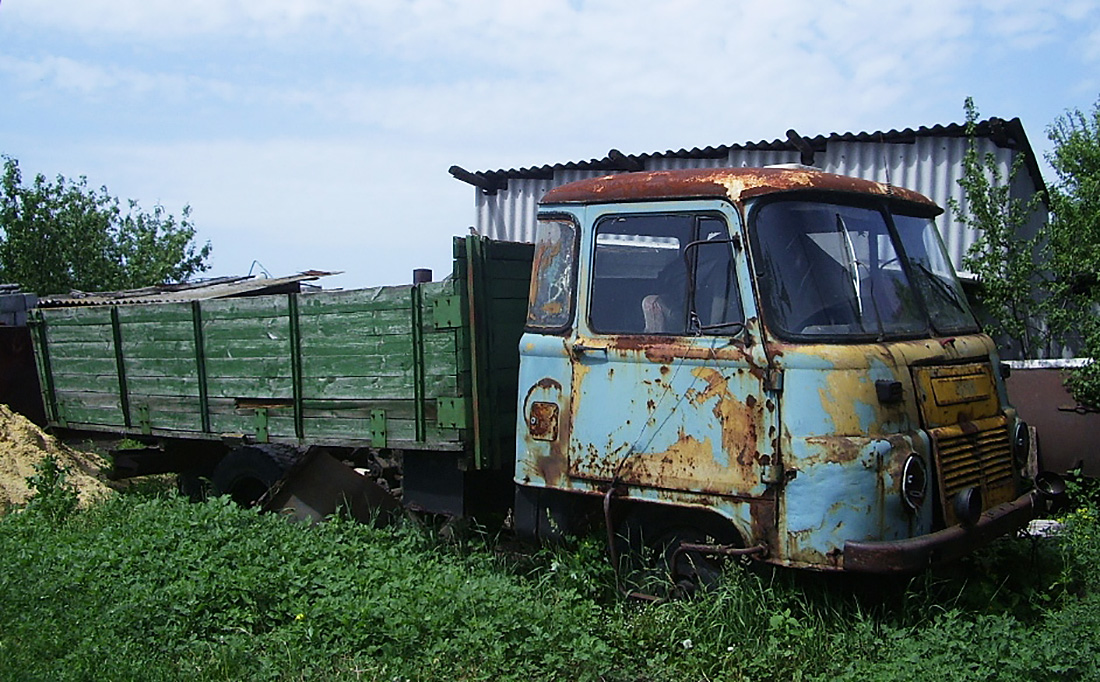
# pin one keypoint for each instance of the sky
(317, 134)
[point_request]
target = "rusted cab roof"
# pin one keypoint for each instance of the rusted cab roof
(734, 184)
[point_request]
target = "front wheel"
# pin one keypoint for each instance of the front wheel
(653, 541)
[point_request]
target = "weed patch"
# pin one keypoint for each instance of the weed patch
(151, 587)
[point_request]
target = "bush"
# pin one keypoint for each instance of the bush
(53, 497)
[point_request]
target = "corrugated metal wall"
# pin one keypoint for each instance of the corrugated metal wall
(929, 165)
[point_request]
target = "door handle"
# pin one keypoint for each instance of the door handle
(582, 349)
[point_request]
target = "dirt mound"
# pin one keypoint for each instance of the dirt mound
(22, 445)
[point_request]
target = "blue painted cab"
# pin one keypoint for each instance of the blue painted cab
(772, 362)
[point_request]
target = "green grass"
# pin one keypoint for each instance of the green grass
(148, 586)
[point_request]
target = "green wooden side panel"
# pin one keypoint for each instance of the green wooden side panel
(500, 276)
(372, 364)
(84, 375)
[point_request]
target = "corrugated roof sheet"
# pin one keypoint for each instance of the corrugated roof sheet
(220, 287)
(1008, 134)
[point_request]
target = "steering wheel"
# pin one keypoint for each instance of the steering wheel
(833, 314)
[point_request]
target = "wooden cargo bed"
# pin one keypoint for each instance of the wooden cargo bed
(429, 367)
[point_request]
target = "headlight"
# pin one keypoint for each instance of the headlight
(968, 506)
(914, 482)
(1021, 442)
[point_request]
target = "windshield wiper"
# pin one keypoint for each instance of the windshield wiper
(853, 266)
(946, 290)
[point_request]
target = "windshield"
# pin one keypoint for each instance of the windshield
(831, 270)
(935, 277)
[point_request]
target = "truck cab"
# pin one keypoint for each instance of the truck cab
(774, 362)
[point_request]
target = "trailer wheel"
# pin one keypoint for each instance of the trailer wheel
(245, 474)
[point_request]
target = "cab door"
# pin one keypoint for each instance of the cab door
(666, 383)
(545, 369)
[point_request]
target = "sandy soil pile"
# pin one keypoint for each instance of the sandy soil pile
(22, 445)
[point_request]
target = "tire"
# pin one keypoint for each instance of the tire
(247, 473)
(650, 537)
(192, 486)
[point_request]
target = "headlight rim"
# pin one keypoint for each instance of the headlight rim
(915, 470)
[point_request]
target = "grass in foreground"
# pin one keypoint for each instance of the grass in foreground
(147, 586)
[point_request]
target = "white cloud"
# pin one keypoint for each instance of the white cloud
(511, 63)
(53, 74)
(412, 86)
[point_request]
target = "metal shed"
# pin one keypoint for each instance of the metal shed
(927, 159)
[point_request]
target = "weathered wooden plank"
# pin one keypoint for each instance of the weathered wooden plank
(160, 367)
(375, 298)
(76, 414)
(232, 423)
(90, 333)
(155, 313)
(360, 429)
(322, 353)
(500, 251)
(93, 383)
(250, 387)
(99, 366)
(89, 398)
(269, 328)
(359, 341)
(364, 308)
(357, 325)
(153, 349)
(156, 332)
(244, 422)
(162, 386)
(355, 366)
(245, 349)
(250, 367)
(439, 287)
(382, 388)
(176, 421)
(256, 307)
(442, 342)
(361, 409)
(362, 388)
(67, 317)
(439, 367)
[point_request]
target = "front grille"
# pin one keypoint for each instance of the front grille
(982, 459)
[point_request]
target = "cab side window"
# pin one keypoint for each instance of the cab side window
(651, 275)
(717, 298)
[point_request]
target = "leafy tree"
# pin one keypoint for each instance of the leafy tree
(1042, 291)
(1004, 263)
(63, 235)
(1073, 242)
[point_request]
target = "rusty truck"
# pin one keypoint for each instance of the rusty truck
(777, 363)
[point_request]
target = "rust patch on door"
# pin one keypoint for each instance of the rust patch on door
(543, 421)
